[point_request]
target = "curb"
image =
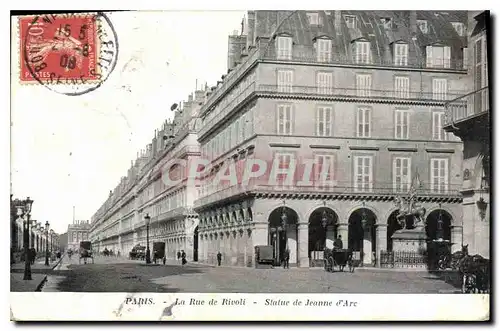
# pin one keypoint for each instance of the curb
(40, 286)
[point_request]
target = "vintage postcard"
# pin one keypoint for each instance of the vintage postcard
(254, 165)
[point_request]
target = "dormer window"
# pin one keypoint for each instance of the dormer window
(386, 23)
(362, 52)
(323, 50)
(314, 19)
(459, 27)
(401, 54)
(422, 25)
(438, 56)
(351, 21)
(284, 47)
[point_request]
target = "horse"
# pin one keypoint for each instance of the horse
(474, 269)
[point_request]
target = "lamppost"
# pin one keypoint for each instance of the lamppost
(21, 212)
(284, 223)
(51, 242)
(324, 221)
(47, 243)
(364, 220)
(147, 218)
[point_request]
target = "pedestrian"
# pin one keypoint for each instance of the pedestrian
(286, 259)
(32, 255)
(155, 256)
(164, 259)
(219, 258)
(178, 255)
(338, 242)
(183, 256)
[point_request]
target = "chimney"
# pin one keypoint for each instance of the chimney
(250, 28)
(413, 22)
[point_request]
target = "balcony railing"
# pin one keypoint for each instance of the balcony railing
(468, 105)
(360, 93)
(307, 54)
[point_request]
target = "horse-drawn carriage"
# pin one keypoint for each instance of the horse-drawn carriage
(474, 270)
(338, 258)
(138, 252)
(85, 252)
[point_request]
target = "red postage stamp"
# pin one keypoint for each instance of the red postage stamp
(59, 49)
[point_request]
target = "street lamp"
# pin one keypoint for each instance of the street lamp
(47, 243)
(364, 220)
(51, 242)
(284, 223)
(147, 218)
(27, 211)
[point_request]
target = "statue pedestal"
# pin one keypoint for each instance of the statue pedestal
(409, 247)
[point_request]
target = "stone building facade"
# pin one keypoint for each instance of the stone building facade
(77, 231)
(357, 96)
(363, 92)
(468, 117)
(119, 224)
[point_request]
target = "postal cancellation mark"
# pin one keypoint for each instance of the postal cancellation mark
(59, 49)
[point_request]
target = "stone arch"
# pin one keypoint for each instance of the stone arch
(361, 206)
(431, 225)
(361, 233)
(321, 205)
(454, 218)
(321, 235)
(280, 204)
(283, 237)
(392, 227)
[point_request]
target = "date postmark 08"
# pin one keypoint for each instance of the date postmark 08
(70, 54)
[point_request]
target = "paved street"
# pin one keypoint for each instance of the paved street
(121, 275)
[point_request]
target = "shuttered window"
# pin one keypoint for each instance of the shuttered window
(324, 121)
(363, 122)
(363, 85)
(363, 174)
(402, 87)
(439, 88)
(439, 175)
(284, 48)
(437, 126)
(401, 54)
(284, 123)
(324, 50)
(438, 56)
(285, 81)
(362, 52)
(324, 169)
(324, 82)
(402, 121)
(401, 169)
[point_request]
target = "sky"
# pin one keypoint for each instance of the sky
(72, 150)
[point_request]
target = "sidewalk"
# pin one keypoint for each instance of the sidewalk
(38, 266)
(17, 284)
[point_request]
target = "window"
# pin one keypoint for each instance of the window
(439, 88)
(402, 87)
(363, 85)
(422, 25)
(401, 54)
(401, 168)
(439, 175)
(324, 50)
(465, 58)
(480, 75)
(323, 121)
(437, 126)
(402, 127)
(283, 161)
(285, 79)
(314, 18)
(363, 170)
(284, 119)
(363, 121)
(284, 48)
(324, 82)
(362, 52)
(350, 20)
(324, 168)
(438, 56)
(460, 28)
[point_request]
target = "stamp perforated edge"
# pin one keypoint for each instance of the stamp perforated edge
(20, 56)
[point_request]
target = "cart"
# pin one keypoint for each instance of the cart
(86, 252)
